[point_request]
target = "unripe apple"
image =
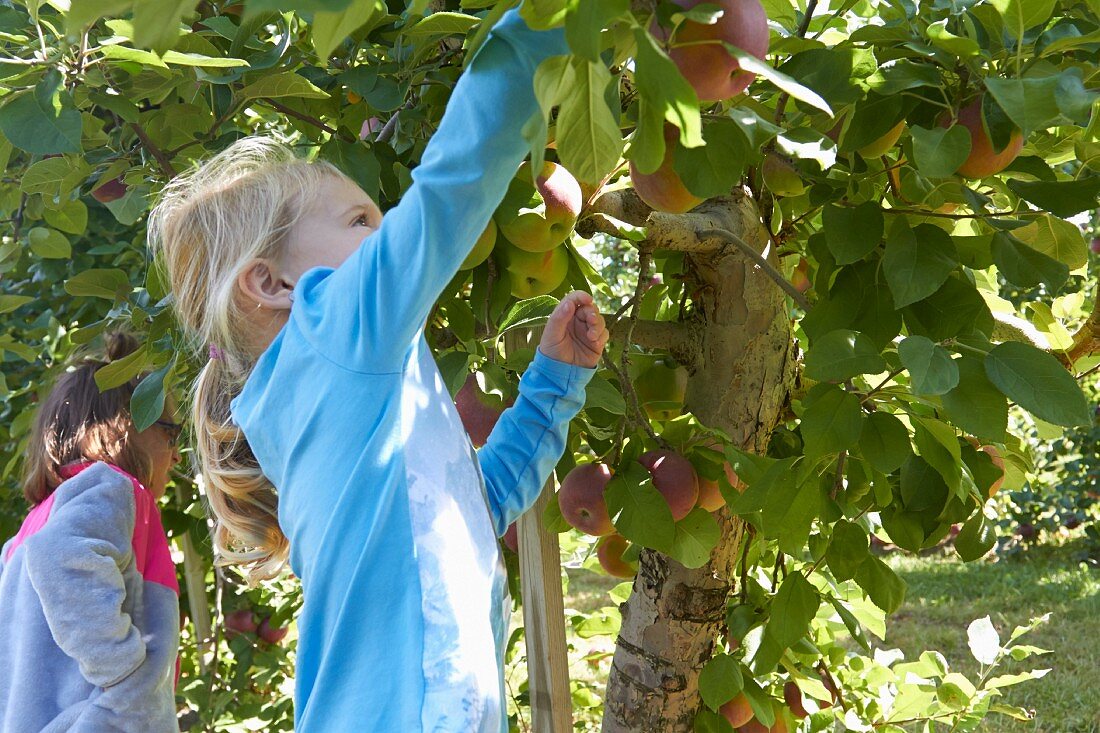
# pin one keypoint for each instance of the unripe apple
(879, 147)
(661, 387)
(995, 456)
(780, 176)
(538, 215)
(983, 160)
(800, 278)
(581, 499)
(675, 478)
(662, 189)
(532, 273)
(699, 52)
(483, 247)
(609, 551)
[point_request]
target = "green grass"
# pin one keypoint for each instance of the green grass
(944, 596)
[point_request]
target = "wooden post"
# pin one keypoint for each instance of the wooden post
(543, 607)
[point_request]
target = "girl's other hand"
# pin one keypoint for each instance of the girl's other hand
(575, 332)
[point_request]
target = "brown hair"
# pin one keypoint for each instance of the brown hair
(76, 422)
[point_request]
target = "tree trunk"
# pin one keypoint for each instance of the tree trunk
(739, 383)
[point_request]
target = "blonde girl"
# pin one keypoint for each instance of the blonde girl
(325, 432)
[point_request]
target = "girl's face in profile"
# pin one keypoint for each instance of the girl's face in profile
(160, 443)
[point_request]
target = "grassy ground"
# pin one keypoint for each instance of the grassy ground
(944, 596)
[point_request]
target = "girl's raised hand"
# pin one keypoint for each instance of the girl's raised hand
(575, 332)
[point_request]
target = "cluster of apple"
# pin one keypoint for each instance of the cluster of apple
(739, 714)
(243, 621)
(529, 228)
(582, 504)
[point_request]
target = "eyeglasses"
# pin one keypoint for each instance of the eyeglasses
(171, 429)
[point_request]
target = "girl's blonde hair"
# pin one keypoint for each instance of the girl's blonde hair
(208, 224)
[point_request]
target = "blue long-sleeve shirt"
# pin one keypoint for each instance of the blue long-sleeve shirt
(392, 518)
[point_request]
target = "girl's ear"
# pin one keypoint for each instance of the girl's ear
(261, 287)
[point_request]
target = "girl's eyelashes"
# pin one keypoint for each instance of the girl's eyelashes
(363, 220)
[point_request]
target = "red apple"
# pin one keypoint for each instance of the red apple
(1095, 245)
(511, 538)
(698, 49)
(675, 477)
(478, 413)
(239, 622)
(111, 190)
(793, 697)
(371, 126)
(271, 634)
(581, 499)
(736, 711)
(995, 456)
(801, 276)
(662, 189)
(983, 159)
(537, 216)
(609, 551)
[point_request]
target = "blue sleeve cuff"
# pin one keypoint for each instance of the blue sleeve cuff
(567, 376)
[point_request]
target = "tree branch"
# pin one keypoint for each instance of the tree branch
(1086, 341)
(669, 336)
(763, 264)
(158, 154)
(305, 118)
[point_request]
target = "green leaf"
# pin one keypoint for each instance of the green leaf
(439, 24)
(858, 299)
(1062, 198)
(1019, 15)
(356, 160)
(713, 169)
(917, 262)
(832, 420)
(885, 589)
(939, 152)
(884, 441)
(638, 510)
(788, 84)
(528, 312)
(938, 446)
(1031, 103)
(584, 22)
(697, 534)
(54, 177)
(931, 368)
(958, 45)
(793, 608)
(976, 538)
(983, 640)
(44, 120)
(664, 87)
(589, 139)
(955, 309)
(49, 243)
(285, 84)
(98, 283)
(122, 370)
(1056, 238)
(848, 549)
(72, 217)
(157, 22)
(147, 402)
(8, 303)
(85, 12)
(1037, 382)
(720, 680)
(923, 490)
(852, 233)
(789, 509)
(330, 29)
(602, 394)
(841, 355)
(975, 405)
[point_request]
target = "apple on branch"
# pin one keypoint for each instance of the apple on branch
(538, 215)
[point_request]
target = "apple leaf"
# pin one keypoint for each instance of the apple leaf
(1037, 382)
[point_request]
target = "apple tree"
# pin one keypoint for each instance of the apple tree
(838, 245)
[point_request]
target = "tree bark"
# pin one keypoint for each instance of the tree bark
(740, 384)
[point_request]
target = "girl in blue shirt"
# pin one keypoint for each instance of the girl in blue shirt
(326, 434)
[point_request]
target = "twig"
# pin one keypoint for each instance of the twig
(306, 118)
(748, 251)
(839, 481)
(158, 154)
(801, 33)
(883, 383)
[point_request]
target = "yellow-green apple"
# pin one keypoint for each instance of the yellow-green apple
(737, 711)
(660, 388)
(884, 143)
(111, 190)
(983, 159)
(662, 189)
(479, 412)
(533, 273)
(800, 278)
(538, 215)
(609, 551)
(482, 247)
(780, 176)
(699, 50)
(581, 499)
(675, 478)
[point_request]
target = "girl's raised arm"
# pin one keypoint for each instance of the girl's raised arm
(370, 309)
